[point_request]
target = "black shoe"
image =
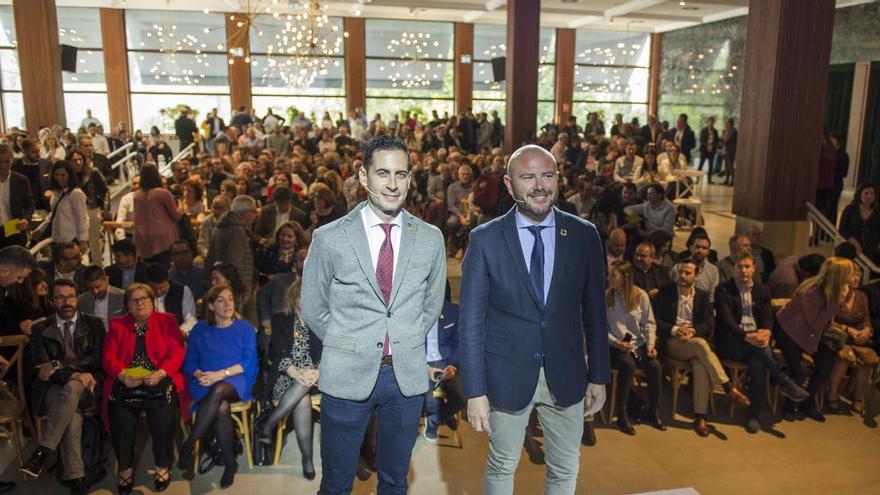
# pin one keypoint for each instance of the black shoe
(186, 461)
(161, 482)
(124, 485)
(789, 413)
(589, 436)
(308, 469)
(653, 418)
(753, 425)
(7, 486)
(624, 424)
(791, 390)
(452, 423)
(34, 465)
(833, 407)
(228, 477)
(813, 414)
(79, 487)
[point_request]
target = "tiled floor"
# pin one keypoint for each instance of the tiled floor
(805, 457)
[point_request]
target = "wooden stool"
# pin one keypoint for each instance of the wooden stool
(239, 412)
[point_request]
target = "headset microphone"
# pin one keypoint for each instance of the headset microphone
(517, 200)
(372, 193)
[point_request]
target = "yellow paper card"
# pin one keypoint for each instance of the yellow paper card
(10, 227)
(139, 372)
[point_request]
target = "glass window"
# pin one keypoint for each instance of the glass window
(89, 75)
(79, 27)
(606, 111)
(398, 38)
(404, 78)
(421, 108)
(490, 41)
(267, 79)
(152, 109)
(489, 106)
(7, 26)
(547, 49)
(274, 35)
(610, 84)
(171, 30)
(485, 86)
(594, 47)
(10, 78)
(179, 72)
(76, 104)
(287, 106)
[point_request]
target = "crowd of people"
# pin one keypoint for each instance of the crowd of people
(199, 303)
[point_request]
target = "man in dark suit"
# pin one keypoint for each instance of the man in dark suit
(442, 354)
(16, 202)
(708, 146)
(684, 137)
(533, 288)
(651, 131)
(126, 269)
(66, 264)
(765, 259)
(34, 168)
(743, 333)
(99, 161)
(66, 349)
(273, 215)
(684, 330)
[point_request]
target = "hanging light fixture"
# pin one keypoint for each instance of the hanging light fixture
(413, 67)
(172, 43)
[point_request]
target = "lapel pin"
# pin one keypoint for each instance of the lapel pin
(411, 228)
(563, 232)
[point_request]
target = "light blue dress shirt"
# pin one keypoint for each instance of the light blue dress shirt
(527, 242)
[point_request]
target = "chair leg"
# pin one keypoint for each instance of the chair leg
(279, 437)
(195, 449)
(613, 405)
(16, 441)
(735, 382)
(676, 384)
(247, 438)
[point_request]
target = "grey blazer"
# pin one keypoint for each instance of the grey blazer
(342, 304)
(115, 307)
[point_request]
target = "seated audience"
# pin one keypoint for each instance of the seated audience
(66, 264)
(279, 256)
(628, 168)
(743, 324)
(632, 335)
(221, 368)
(648, 276)
(685, 324)
(232, 243)
(127, 268)
(791, 272)
(615, 246)
(171, 297)
(707, 273)
(765, 260)
(219, 207)
(295, 354)
(854, 352)
(727, 266)
(66, 349)
(801, 325)
(25, 303)
(183, 271)
(442, 355)
(101, 299)
(143, 353)
(277, 213)
(656, 212)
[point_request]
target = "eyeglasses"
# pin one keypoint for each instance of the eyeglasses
(138, 300)
(70, 297)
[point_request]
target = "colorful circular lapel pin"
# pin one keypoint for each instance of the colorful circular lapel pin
(563, 232)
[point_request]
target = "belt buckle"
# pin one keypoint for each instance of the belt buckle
(386, 360)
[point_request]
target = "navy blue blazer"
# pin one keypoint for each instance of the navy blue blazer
(505, 337)
(447, 334)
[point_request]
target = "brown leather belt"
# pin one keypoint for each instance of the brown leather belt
(386, 361)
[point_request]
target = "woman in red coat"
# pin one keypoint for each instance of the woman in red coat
(151, 343)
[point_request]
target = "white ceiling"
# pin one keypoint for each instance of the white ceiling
(632, 15)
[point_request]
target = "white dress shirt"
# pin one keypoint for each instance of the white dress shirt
(281, 219)
(376, 234)
(684, 316)
(188, 309)
(101, 307)
(5, 199)
(125, 213)
(432, 344)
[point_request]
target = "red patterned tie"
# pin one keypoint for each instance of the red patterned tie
(385, 273)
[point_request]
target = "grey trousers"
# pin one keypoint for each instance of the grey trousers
(64, 426)
(563, 427)
(708, 371)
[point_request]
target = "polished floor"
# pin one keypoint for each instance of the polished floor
(840, 456)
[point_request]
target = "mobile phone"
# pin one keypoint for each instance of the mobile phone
(628, 338)
(54, 364)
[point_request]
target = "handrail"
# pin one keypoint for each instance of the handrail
(178, 157)
(40, 245)
(119, 162)
(823, 224)
(119, 150)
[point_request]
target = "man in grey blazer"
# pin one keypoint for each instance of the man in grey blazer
(102, 299)
(373, 286)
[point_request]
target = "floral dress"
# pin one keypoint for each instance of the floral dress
(299, 358)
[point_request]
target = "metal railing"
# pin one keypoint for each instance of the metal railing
(119, 150)
(180, 156)
(819, 226)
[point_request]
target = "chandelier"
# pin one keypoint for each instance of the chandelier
(171, 44)
(413, 68)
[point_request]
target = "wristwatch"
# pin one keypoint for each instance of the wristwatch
(226, 372)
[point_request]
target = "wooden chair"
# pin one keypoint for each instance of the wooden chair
(687, 191)
(639, 378)
(282, 426)
(13, 401)
(240, 413)
(738, 373)
(679, 371)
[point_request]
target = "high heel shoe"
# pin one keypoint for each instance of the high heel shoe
(161, 482)
(124, 485)
(228, 477)
(308, 469)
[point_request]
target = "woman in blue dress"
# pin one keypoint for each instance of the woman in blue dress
(221, 367)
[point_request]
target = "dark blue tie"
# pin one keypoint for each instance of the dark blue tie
(536, 265)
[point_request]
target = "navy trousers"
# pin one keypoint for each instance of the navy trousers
(343, 424)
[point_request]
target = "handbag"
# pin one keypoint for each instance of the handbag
(47, 231)
(835, 338)
(143, 396)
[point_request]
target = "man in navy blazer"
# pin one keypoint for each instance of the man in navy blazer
(533, 287)
(442, 355)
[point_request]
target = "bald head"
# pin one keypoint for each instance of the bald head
(532, 181)
(527, 153)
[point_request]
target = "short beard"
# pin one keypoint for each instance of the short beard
(524, 206)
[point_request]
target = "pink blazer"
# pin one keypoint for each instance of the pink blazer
(805, 317)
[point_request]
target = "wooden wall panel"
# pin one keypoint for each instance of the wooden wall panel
(239, 71)
(355, 63)
(116, 67)
(565, 43)
(788, 49)
(523, 28)
(654, 73)
(39, 58)
(464, 72)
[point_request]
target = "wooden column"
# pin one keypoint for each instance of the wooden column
(654, 73)
(355, 63)
(238, 47)
(464, 72)
(523, 29)
(788, 47)
(116, 66)
(39, 59)
(565, 43)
